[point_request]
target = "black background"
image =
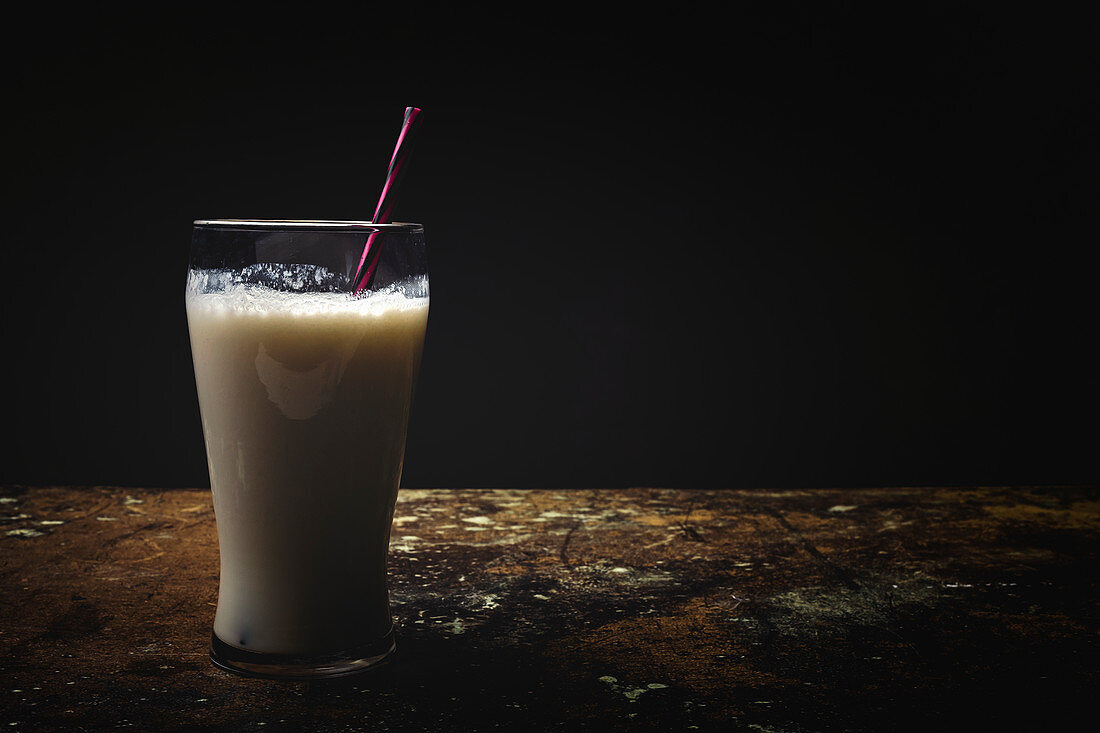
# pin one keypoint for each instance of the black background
(784, 245)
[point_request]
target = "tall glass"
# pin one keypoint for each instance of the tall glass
(304, 392)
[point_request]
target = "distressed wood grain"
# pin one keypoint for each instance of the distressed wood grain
(639, 609)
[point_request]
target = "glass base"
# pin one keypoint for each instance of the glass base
(301, 667)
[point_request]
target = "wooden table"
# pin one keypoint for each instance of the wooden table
(589, 610)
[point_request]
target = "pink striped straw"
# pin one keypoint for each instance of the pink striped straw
(364, 274)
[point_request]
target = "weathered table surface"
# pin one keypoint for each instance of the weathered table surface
(603, 610)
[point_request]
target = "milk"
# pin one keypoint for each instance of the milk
(304, 401)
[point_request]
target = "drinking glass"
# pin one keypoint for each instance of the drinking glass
(304, 390)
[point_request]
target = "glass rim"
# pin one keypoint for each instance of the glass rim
(328, 224)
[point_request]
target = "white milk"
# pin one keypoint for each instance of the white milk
(304, 400)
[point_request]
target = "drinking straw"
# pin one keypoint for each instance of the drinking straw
(365, 275)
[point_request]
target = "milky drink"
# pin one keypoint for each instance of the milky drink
(304, 399)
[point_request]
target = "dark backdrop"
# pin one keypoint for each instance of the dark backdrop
(793, 246)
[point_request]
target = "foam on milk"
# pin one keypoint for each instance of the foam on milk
(224, 292)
